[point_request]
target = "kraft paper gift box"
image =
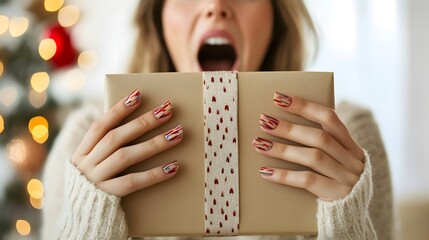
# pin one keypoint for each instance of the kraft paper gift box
(181, 206)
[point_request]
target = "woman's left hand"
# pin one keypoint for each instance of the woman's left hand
(337, 160)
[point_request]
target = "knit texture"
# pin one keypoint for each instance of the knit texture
(67, 141)
(89, 213)
(348, 218)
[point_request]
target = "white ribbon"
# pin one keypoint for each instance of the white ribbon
(221, 153)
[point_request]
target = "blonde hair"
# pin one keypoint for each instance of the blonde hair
(294, 37)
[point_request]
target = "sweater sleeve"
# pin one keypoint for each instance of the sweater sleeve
(89, 212)
(73, 207)
(364, 130)
(348, 218)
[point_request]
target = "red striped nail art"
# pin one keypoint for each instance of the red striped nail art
(170, 168)
(282, 100)
(264, 171)
(175, 133)
(262, 144)
(268, 122)
(163, 111)
(133, 98)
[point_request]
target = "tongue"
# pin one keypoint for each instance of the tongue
(217, 65)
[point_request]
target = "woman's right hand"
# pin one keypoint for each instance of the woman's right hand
(104, 153)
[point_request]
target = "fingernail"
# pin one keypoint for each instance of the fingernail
(264, 171)
(170, 168)
(268, 122)
(133, 98)
(262, 144)
(175, 133)
(163, 111)
(282, 100)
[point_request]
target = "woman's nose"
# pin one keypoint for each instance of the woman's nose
(217, 9)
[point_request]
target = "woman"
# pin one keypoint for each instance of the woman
(246, 35)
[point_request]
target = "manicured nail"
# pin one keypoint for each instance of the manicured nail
(264, 171)
(133, 98)
(282, 100)
(262, 144)
(175, 133)
(268, 122)
(170, 168)
(163, 111)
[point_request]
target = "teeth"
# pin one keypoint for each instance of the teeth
(217, 41)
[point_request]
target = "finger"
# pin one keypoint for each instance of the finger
(316, 138)
(124, 185)
(325, 116)
(109, 120)
(323, 187)
(126, 133)
(310, 157)
(130, 155)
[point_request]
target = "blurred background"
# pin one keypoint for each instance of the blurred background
(54, 54)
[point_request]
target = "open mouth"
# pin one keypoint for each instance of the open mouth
(217, 54)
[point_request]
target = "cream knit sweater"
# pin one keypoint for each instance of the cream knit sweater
(76, 209)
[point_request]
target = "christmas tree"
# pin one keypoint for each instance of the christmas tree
(35, 44)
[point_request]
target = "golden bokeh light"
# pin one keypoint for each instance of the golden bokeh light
(68, 15)
(87, 59)
(1, 124)
(40, 134)
(36, 203)
(4, 24)
(35, 188)
(47, 48)
(37, 99)
(18, 151)
(39, 129)
(26, 155)
(1, 68)
(23, 227)
(40, 81)
(8, 96)
(18, 26)
(39, 120)
(53, 5)
(75, 80)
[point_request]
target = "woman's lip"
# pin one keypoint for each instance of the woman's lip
(236, 65)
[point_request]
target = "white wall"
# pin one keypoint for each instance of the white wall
(363, 42)
(415, 164)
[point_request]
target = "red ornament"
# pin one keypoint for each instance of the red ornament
(66, 53)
